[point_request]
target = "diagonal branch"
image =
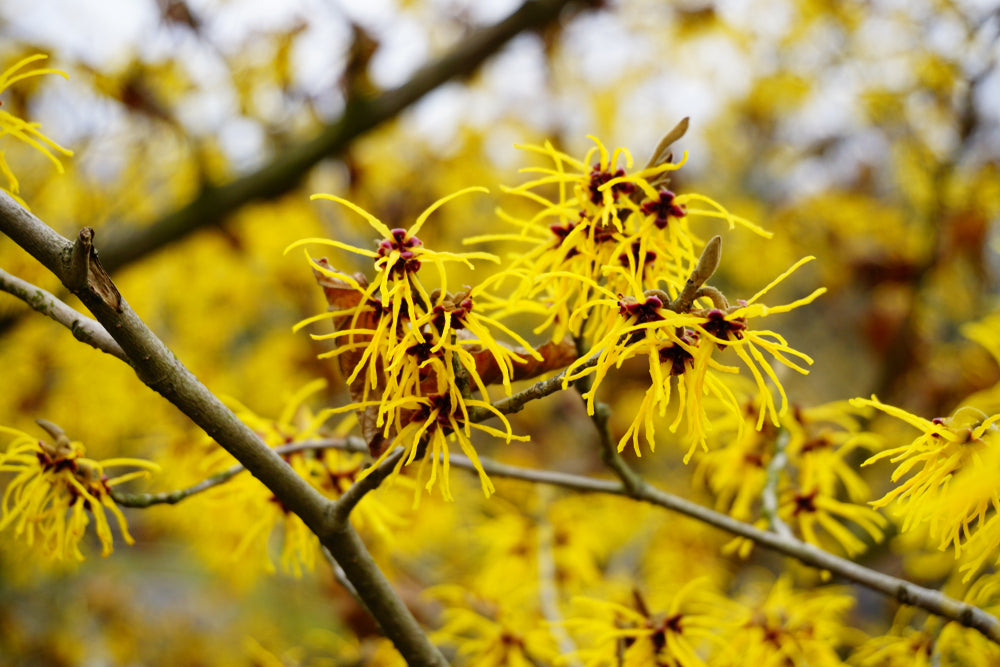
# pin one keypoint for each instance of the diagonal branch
(784, 543)
(160, 370)
(214, 203)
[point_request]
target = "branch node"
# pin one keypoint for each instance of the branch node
(85, 272)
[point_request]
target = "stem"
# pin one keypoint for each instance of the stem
(548, 594)
(540, 389)
(350, 499)
(602, 412)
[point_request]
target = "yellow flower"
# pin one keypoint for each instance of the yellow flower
(902, 646)
(506, 632)
(398, 256)
(432, 422)
(822, 440)
(809, 509)
(415, 357)
(736, 472)
(11, 125)
(55, 490)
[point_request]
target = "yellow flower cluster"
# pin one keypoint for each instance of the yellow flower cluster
(612, 255)
(816, 489)
(413, 356)
(611, 266)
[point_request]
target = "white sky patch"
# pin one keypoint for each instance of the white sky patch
(243, 141)
(319, 55)
(232, 25)
(439, 115)
(602, 48)
(397, 59)
(100, 34)
(478, 11)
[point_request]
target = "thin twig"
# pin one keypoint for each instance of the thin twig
(602, 412)
(541, 389)
(82, 327)
(357, 491)
(899, 589)
(143, 500)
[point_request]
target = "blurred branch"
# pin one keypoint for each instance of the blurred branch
(83, 328)
(160, 370)
(548, 593)
(214, 203)
(784, 543)
(902, 359)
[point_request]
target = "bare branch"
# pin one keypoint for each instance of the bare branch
(548, 593)
(125, 245)
(350, 499)
(784, 542)
(143, 500)
(292, 163)
(82, 327)
(541, 389)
